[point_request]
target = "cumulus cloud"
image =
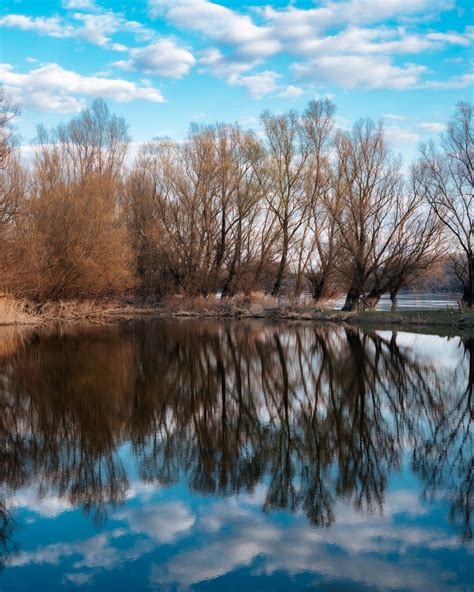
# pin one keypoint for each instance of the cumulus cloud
(222, 65)
(365, 71)
(291, 91)
(164, 57)
(218, 23)
(53, 88)
(258, 85)
(233, 70)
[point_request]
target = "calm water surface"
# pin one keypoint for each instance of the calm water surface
(236, 456)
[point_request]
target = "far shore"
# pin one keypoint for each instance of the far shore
(13, 312)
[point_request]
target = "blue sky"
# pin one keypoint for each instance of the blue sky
(164, 63)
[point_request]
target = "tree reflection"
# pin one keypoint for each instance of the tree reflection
(313, 412)
(444, 455)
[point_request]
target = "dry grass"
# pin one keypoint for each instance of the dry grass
(21, 312)
(98, 311)
(17, 312)
(252, 304)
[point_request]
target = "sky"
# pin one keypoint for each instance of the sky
(165, 63)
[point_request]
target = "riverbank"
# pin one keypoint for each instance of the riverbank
(14, 312)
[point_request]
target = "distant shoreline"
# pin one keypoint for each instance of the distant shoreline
(15, 313)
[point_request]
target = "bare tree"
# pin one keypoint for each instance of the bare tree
(282, 178)
(445, 178)
(10, 169)
(13, 191)
(319, 182)
(367, 205)
(414, 252)
(95, 141)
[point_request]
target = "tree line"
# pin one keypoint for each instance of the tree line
(299, 207)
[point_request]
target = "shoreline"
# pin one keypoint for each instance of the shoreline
(117, 312)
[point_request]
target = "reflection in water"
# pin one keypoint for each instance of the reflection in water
(315, 413)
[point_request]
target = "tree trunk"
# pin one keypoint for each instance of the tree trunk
(220, 251)
(373, 298)
(298, 284)
(282, 266)
(233, 264)
(355, 291)
(317, 288)
(393, 298)
(352, 299)
(468, 295)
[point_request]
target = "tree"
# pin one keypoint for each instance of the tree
(282, 179)
(444, 176)
(367, 206)
(13, 190)
(94, 142)
(74, 240)
(319, 183)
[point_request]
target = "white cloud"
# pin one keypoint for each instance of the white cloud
(51, 26)
(398, 135)
(78, 4)
(119, 47)
(353, 71)
(432, 127)
(258, 85)
(164, 57)
(461, 81)
(299, 21)
(291, 91)
(223, 66)
(218, 23)
(232, 70)
(387, 41)
(97, 28)
(53, 88)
